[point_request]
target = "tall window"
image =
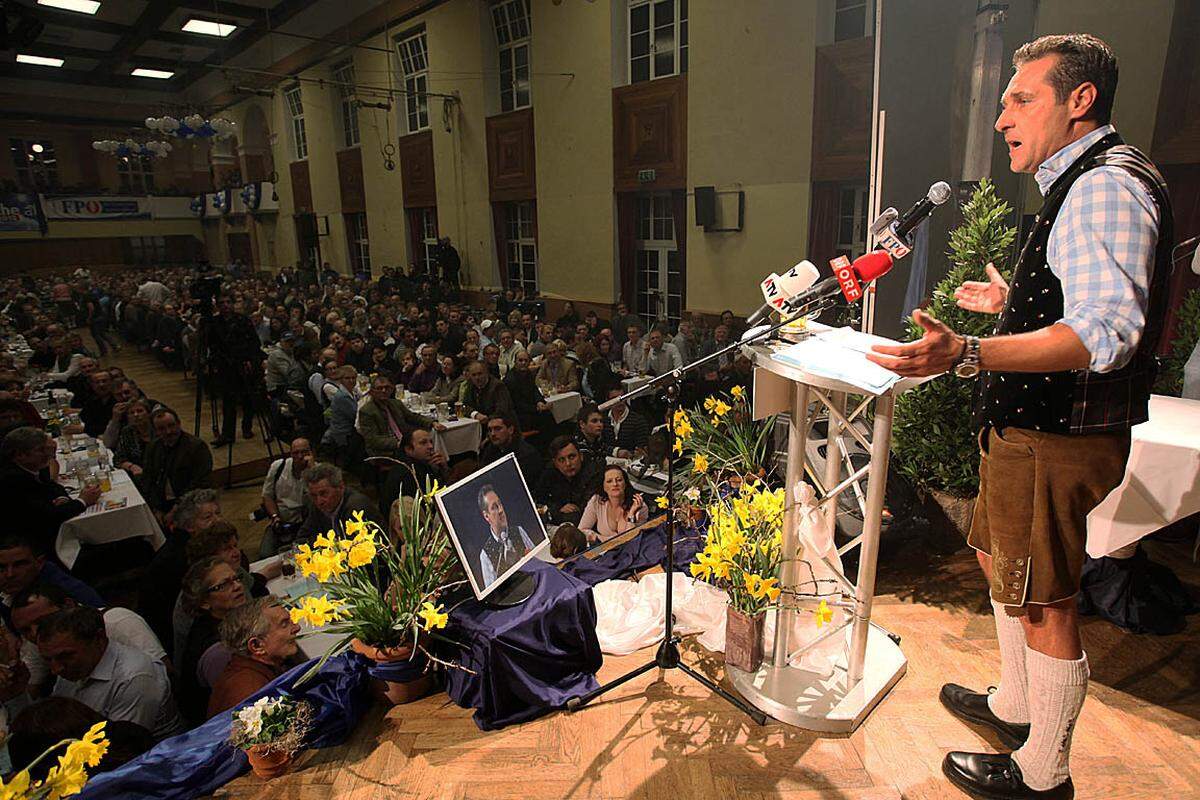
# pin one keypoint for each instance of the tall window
(343, 74)
(658, 287)
(35, 163)
(360, 251)
(852, 19)
(852, 222)
(510, 18)
(295, 107)
(414, 63)
(521, 244)
(136, 174)
(658, 39)
(422, 223)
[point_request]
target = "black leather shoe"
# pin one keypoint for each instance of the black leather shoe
(221, 441)
(997, 777)
(973, 707)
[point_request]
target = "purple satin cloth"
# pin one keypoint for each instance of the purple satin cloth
(200, 761)
(529, 659)
(639, 553)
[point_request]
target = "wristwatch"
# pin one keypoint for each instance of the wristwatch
(967, 365)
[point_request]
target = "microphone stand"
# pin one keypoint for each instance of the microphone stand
(667, 656)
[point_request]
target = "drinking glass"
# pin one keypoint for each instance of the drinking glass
(287, 561)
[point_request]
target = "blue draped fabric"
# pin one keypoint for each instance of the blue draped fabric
(639, 553)
(528, 659)
(202, 760)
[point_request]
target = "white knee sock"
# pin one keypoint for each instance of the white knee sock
(1057, 688)
(1009, 701)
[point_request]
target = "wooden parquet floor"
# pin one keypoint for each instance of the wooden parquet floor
(1139, 735)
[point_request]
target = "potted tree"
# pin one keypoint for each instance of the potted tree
(380, 594)
(271, 731)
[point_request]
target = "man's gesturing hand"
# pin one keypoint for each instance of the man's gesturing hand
(932, 354)
(986, 297)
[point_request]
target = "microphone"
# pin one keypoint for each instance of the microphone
(893, 230)
(847, 279)
(778, 289)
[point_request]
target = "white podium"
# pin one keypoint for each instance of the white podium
(873, 662)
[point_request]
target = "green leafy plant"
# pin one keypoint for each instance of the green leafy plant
(277, 724)
(1187, 333)
(933, 436)
(723, 438)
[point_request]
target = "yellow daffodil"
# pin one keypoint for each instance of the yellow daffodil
(700, 463)
(326, 541)
(432, 616)
(697, 569)
(737, 392)
(716, 422)
(721, 408)
(710, 403)
(662, 502)
(678, 447)
(770, 589)
(356, 525)
(64, 780)
(90, 749)
(317, 611)
(824, 614)
(17, 788)
(362, 550)
(433, 490)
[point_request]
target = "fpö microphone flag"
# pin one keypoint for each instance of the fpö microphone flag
(893, 232)
(847, 279)
(778, 289)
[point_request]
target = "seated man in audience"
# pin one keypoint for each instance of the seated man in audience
(358, 355)
(285, 497)
(333, 503)
(113, 679)
(36, 505)
(545, 337)
(427, 371)
(167, 338)
(484, 395)
(661, 357)
(491, 359)
(591, 436)
(509, 348)
(504, 437)
(22, 565)
(97, 408)
(423, 466)
(628, 430)
(557, 374)
(175, 462)
(383, 419)
(284, 371)
(566, 484)
(261, 639)
(125, 391)
(196, 511)
(531, 407)
(633, 352)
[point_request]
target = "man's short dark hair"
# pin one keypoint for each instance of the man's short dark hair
(55, 594)
(484, 491)
(160, 411)
(20, 441)
(11, 541)
(1082, 58)
(585, 411)
(80, 622)
(558, 443)
(406, 437)
(508, 418)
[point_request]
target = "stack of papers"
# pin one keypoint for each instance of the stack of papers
(839, 354)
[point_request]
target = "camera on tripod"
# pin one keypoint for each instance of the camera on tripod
(204, 290)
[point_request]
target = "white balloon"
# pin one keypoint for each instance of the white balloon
(193, 121)
(168, 124)
(98, 146)
(151, 123)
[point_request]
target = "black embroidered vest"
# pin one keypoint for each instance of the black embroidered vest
(1077, 402)
(501, 560)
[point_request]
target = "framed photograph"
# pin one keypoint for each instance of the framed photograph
(493, 522)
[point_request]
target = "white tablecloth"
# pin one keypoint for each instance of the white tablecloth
(460, 436)
(565, 406)
(313, 643)
(98, 525)
(636, 381)
(1162, 478)
(41, 400)
(86, 452)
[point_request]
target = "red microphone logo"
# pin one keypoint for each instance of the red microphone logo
(843, 270)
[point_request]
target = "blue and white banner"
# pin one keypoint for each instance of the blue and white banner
(95, 207)
(19, 212)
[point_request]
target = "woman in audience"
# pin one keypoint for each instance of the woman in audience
(614, 508)
(211, 589)
(598, 378)
(448, 387)
(134, 437)
(608, 350)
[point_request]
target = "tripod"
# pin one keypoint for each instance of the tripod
(667, 656)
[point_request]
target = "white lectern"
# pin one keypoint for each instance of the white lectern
(836, 703)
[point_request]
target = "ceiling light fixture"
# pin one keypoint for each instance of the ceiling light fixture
(208, 27)
(141, 72)
(41, 61)
(80, 6)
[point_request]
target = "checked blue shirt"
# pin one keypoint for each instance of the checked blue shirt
(1101, 249)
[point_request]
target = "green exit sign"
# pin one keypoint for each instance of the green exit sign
(646, 175)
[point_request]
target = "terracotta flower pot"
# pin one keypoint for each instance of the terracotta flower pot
(395, 692)
(743, 639)
(268, 764)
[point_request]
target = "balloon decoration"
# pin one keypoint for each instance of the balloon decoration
(193, 126)
(197, 206)
(129, 147)
(251, 195)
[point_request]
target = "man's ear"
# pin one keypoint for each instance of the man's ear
(1081, 100)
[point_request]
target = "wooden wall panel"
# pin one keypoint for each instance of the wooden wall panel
(415, 153)
(841, 148)
(512, 173)
(256, 167)
(301, 187)
(650, 132)
(350, 180)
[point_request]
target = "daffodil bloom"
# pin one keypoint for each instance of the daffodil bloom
(362, 550)
(721, 408)
(90, 749)
(662, 502)
(824, 614)
(700, 463)
(64, 780)
(678, 447)
(326, 541)
(710, 403)
(434, 489)
(356, 525)
(317, 611)
(17, 788)
(737, 392)
(432, 616)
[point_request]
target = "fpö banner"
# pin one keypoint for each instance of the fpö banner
(19, 212)
(95, 207)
